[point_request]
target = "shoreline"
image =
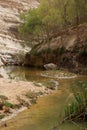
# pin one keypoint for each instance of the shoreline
(12, 115)
(11, 89)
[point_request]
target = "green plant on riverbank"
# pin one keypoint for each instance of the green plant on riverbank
(50, 85)
(4, 104)
(8, 104)
(77, 110)
(2, 116)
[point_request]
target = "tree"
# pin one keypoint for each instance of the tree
(52, 16)
(32, 24)
(77, 13)
(43, 21)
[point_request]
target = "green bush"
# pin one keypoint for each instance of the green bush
(2, 116)
(8, 104)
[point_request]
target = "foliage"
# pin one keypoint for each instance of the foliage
(4, 102)
(3, 97)
(8, 104)
(40, 24)
(78, 108)
(2, 116)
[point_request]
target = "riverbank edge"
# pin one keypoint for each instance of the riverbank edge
(22, 108)
(16, 111)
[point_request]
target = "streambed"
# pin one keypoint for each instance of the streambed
(48, 111)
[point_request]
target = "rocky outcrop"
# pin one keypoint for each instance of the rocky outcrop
(11, 45)
(70, 53)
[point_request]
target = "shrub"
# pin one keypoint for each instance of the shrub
(8, 104)
(2, 116)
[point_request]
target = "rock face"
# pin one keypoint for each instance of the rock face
(10, 42)
(70, 54)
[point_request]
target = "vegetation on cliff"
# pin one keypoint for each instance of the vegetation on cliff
(52, 17)
(59, 28)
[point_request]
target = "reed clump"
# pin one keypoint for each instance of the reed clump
(77, 110)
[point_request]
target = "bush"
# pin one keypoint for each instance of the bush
(2, 116)
(8, 104)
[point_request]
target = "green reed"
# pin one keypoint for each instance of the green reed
(78, 108)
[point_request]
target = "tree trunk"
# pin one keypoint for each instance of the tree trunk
(77, 27)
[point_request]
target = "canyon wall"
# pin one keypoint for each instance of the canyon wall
(12, 48)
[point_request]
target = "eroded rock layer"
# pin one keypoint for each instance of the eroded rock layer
(11, 45)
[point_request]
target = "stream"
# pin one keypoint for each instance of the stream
(47, 113)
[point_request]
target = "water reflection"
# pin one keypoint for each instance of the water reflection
(33, 74)
(23, 73)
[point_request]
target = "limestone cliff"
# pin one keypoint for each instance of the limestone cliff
(11, 45)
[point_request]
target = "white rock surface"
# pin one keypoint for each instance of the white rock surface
(10, 10)
(50, 66)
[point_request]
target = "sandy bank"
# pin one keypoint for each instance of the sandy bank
(12, 89)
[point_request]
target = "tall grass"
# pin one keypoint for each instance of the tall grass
(77, 110)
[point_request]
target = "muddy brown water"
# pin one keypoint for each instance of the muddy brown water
(48, 112)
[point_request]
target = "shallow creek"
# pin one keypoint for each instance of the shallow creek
(48, 111)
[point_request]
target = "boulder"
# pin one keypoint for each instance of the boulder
(50, 66)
